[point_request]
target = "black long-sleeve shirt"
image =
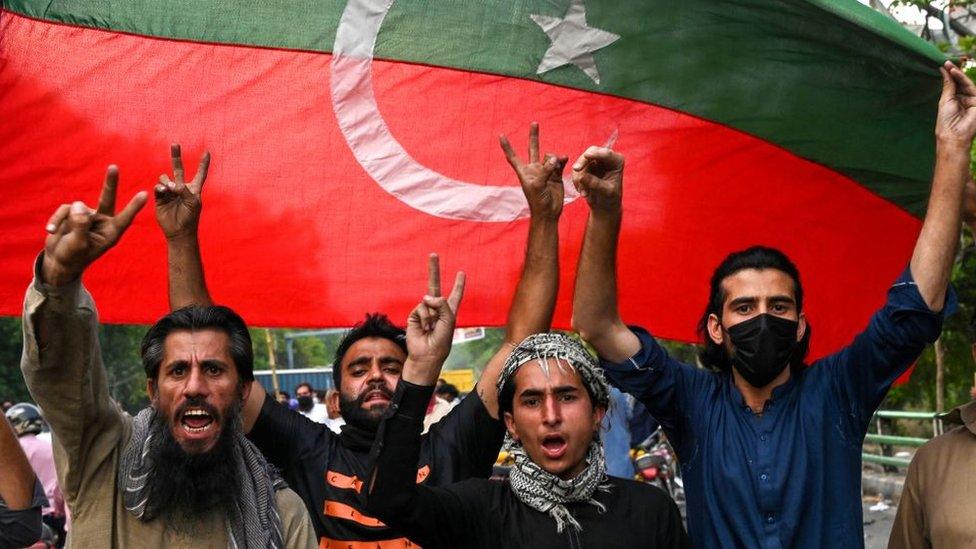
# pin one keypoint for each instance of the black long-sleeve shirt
(328, 470)
(486, 513)
(23, 527)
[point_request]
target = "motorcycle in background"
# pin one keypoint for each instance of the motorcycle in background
(655, 463)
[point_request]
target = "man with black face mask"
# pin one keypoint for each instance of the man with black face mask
(770, 449)
(328, 471)
(307, 406)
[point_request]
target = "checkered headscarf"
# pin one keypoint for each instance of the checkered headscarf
(533, 485)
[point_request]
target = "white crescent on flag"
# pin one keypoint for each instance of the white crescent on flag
(379, 152)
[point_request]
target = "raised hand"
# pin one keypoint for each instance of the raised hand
(598, 175)
(178, 203)
(430, 328)
(956, 121)
(78, 235)
(542, 181)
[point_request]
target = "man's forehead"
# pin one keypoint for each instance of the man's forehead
(373, 347)
(201, 343)
(758, 283)
(544, 374)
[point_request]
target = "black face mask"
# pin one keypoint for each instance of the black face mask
(763, 347)
(305, 403)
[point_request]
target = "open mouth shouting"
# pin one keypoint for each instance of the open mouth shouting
(375, 397)
(554, 446)
(196, 420)
(197, 424)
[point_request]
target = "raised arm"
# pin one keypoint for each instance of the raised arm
(430, 329)
(598, 175)
(535, 295)
(178, 206)
(16, 476)
(62, 361)
(427, 516)
(955, 127)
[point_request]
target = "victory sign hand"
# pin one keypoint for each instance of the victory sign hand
(78, 235)
(178, 203)
(542, 181)
(430, 328)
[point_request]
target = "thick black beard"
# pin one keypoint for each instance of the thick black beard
(353, 413)
(182, 487)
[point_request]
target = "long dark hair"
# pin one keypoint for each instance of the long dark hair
(713, 355)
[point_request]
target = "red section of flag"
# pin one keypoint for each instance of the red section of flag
(296, 234)
(906, 376)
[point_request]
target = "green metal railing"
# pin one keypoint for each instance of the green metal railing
(888, 441)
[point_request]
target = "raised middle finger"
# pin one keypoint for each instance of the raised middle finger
(176, 157)
(534, 142)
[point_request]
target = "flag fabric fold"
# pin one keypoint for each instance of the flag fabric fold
(352, 138)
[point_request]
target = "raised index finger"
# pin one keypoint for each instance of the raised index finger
(454, 300)
(433, 276)
(176, 157)
(510, 155)
(201, 176)
(106, 202)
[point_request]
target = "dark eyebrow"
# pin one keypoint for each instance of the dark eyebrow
(742, 301)
(531, 393)
(565, 389)
(213, 362)
(176, 363)
(782, 299)
(357, 361)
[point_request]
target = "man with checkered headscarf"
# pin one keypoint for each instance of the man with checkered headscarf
(553, 398)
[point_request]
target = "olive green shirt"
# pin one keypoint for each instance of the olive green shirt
(62, 365)
(937, 502)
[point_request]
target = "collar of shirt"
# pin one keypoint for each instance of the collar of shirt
(357, 439)
(963, 415)
(778, 393)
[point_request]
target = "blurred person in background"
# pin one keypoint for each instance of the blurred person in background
(27, 423)
(21, 495)
(308, 404)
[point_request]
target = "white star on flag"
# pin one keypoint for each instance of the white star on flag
(572, 41)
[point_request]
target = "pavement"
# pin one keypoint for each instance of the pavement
(877, 522)
(881, 491)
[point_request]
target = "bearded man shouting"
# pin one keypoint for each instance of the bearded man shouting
(179, 474)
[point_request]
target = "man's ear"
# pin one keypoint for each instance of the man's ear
(151, 389)
(599, 412)
(510, 425)
(801, 328)
(246, 390)
(715, 329)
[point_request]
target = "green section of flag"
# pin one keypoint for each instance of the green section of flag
(830, 80)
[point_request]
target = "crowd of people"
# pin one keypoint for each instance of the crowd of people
(769, 445)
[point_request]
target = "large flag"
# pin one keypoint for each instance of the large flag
(351, 138)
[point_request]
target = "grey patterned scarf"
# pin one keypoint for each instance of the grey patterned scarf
(533, 485)
(256, 523)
